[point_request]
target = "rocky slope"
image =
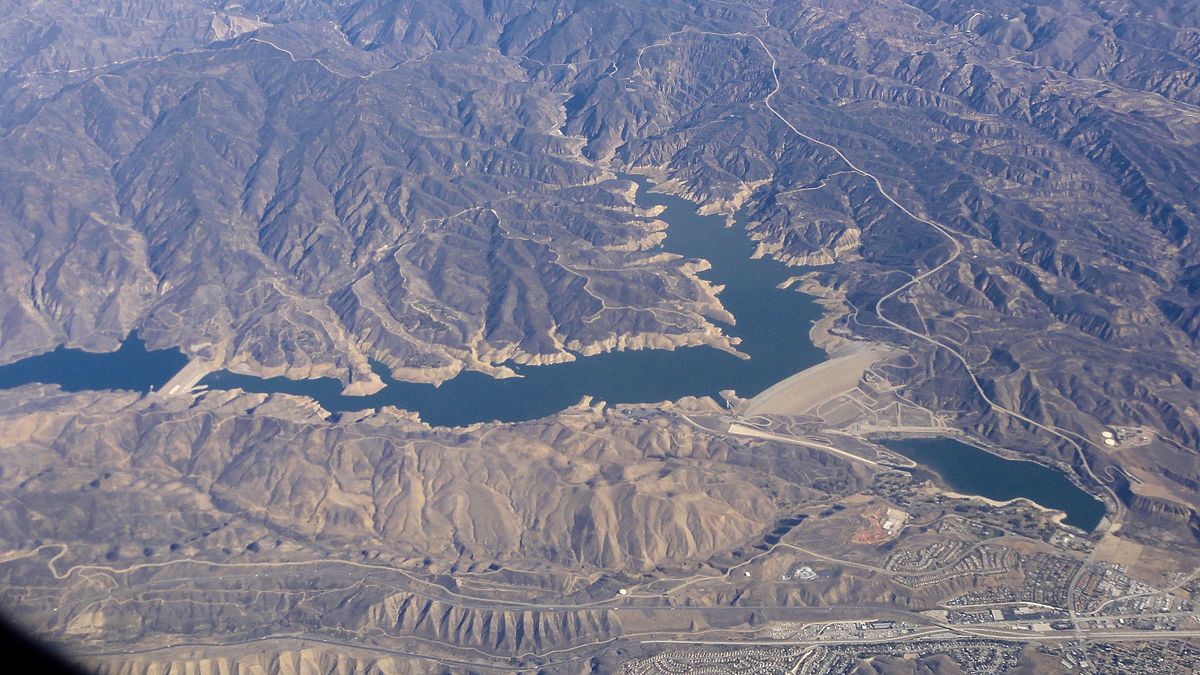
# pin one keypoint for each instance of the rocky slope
(298, 213)
(505, 539)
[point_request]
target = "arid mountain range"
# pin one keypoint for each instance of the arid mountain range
(1004, 194)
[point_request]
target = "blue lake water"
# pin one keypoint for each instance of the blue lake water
(131, 367)
(772, 323)
(969, 470)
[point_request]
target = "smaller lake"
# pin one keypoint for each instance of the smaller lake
(131, 367)
(969, 470)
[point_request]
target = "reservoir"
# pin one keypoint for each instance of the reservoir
(772, 323)
(968, 470)
(132, 367)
